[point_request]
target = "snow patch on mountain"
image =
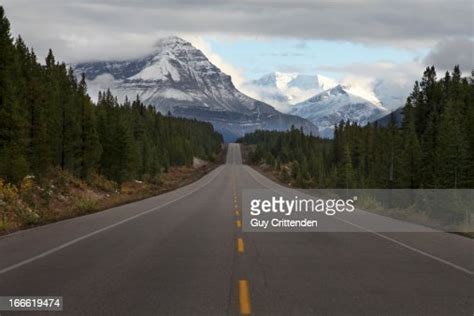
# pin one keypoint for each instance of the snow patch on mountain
(160, 70)
(363, 93)
(175, 94)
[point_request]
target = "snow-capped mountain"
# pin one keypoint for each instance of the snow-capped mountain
(324, 101)
(284, 89)
(331, 106)
(178, 78)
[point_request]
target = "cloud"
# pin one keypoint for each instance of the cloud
(390, 82)
(102, 28)
(450, 52)
(82, 30)
(400, 72)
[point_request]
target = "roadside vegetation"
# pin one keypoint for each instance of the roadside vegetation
(62, 195)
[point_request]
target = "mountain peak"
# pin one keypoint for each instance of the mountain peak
(171, 40)
(175, 47)
(276, 79)
(339, 89)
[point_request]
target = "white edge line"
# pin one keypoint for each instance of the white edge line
(76, 240)
(421, 252)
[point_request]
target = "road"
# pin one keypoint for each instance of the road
(183, 253)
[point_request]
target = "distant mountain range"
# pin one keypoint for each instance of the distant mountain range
(329, 107)
(284, 89)
(178, 78)
(287, 89)
(323, 100)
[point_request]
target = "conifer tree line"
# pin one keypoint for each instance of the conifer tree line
(47, 120)
(433, 147)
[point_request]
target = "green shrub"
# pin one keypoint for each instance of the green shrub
(86, 205)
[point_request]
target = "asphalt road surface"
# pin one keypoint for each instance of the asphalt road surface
(184, 253)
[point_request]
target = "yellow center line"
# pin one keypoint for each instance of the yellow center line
(237, 213)
(244, 297)
(238, 223)
(240, 245)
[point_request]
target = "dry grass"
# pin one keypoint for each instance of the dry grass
(63, 196)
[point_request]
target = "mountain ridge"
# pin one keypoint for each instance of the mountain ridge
(284, 89)
(178, 78)
(329, 107)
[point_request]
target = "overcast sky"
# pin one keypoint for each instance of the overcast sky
(247, 38)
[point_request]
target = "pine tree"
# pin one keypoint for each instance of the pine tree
(90, 147)
(13, 125)
(124, 163)
(452, 148)
(346, 171)
(32, 99)
(411, 154)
